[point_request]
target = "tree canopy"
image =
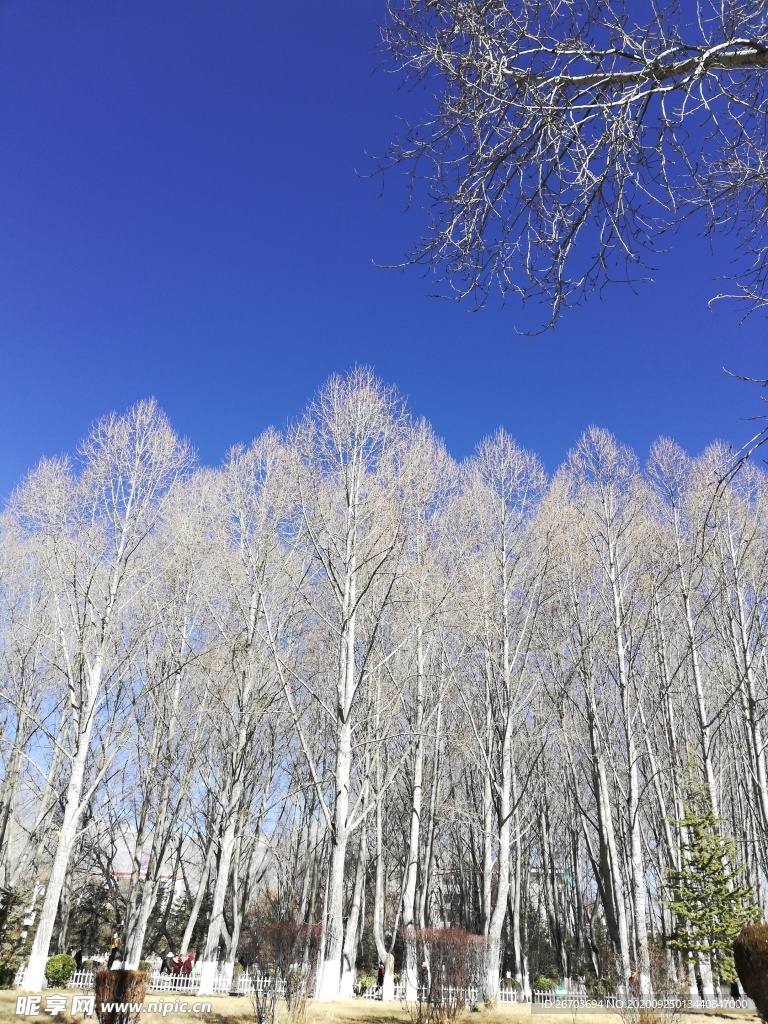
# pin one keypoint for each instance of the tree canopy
(569, 137)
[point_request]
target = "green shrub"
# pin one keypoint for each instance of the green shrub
(59, 970)
(363, 982)
(750, 954)
(600, 987)
(8, 969)
(145, 966)
(544, 984)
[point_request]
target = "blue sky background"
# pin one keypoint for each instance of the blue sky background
(181, 216)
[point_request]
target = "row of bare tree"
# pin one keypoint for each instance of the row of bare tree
(382, 690)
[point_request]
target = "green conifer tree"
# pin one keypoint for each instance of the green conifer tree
(709, 903)
(14, 937)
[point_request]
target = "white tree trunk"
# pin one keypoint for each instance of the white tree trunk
(411, 973)
(330, 969)
(33, 978)
(352, 934)
(210, 955)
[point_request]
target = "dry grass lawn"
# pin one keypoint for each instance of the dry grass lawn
(239, 1010)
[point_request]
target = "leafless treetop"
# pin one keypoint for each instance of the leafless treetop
(569, 136)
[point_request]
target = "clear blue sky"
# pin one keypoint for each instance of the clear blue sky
(181, 216)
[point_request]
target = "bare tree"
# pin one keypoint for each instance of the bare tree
(503, 488)
(568, 136)
(31, 699)
(171, 712)
(88, 531)
(604, 481)
(351, 515)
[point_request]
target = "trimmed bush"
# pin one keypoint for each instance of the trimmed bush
(59, 970)
(118, 987)
(750, 954)
(106, 990)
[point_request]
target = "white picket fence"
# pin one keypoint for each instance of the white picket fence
(508, 995)
(157, 982)
(471, 995)
(248, 984)
(372, 992)
(81, 979)
(173, 982)
(452, 994)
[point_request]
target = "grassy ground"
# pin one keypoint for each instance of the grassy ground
(239, 1010)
